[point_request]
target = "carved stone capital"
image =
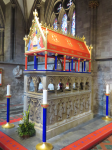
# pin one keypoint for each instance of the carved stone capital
(93, 4)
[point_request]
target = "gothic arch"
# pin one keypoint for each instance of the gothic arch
(53, 16)
(70, 14)
(71, 10)
(61, 13)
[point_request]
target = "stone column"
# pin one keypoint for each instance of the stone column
(12, 31)
(41, 7)
(1, 44)
(68, 27)
(93, 5)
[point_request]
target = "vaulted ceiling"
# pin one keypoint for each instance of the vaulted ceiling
(25, 5)
(28, 4)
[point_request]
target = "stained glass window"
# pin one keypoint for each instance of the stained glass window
(55, 24)
(73, 24)
(59, 7)
(69, 4)
(64, 24)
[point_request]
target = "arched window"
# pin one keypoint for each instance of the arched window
(64, 24)
(69, 3)
(73, 24)
(55, 24)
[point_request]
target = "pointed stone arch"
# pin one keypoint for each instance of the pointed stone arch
(53, 16)
(71, 10)
(61, 13)
(70, 14)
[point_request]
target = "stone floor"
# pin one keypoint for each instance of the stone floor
(61, 140)
(104, 145)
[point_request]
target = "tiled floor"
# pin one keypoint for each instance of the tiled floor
(61, 140)
(104, 145)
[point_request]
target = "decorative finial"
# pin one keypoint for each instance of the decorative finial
(25, 38)
(83, 38)
(91, 47)
(52, 27)
(42, 23)
(35, 13)
(49, 26)
(45, 25)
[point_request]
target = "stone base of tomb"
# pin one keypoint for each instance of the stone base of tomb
(64, 125)
(69, 106)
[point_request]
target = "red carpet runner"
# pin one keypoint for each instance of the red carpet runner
(91, 139)
(8, 143)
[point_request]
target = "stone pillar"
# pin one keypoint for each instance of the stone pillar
(7, 41)
(41, 7)
(68, 27)
(12, 31)
(1, 44)
(93, 5)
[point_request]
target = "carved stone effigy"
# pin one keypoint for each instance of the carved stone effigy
(68, 107)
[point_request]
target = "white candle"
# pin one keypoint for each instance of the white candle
(44, 96)
(107, 89)
(8, 90)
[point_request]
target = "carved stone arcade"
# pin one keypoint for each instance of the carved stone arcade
(67, 107)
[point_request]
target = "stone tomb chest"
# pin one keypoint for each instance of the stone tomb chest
(69, 99)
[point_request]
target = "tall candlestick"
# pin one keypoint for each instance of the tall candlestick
(44, 96)
(107, 89)
(8, 90)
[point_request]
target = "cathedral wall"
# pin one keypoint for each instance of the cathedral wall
(7, 37)
(103, 55)
(96, 25)
(19, 34)
(15, 79)
(13, 54)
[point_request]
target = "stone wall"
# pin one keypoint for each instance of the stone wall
(98, 23)
(10, 60)
(16, 82)
(95, 24)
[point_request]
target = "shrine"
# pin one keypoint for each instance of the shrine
(69, 89)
